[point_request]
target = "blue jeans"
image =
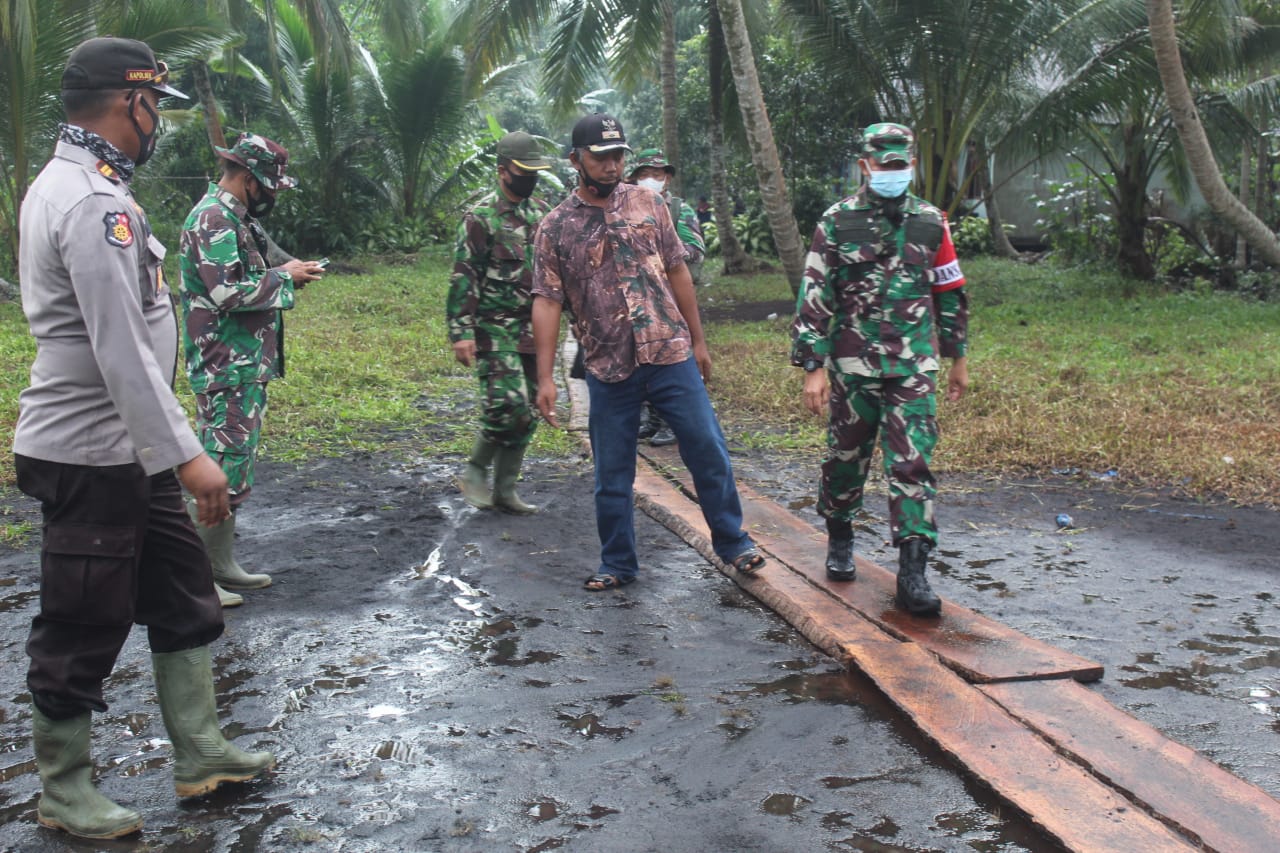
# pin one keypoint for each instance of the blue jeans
(678, 394)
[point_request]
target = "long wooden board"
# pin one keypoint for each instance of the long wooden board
(980, 649)
(1062, 799)
(1205, 802)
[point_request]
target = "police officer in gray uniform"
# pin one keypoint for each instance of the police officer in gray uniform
(99, 438)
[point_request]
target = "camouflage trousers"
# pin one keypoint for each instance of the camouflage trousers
(903, 410)
(229, 423)
(508, 386)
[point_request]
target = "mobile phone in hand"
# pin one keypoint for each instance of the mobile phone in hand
(323, 263)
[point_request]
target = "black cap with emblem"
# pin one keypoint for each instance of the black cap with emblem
(116, 63)
(599, 133)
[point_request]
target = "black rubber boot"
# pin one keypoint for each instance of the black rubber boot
(914, 593)
(648, 422)
(840, 566)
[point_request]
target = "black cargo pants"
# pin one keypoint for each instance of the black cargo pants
(118, 548)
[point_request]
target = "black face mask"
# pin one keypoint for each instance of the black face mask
(601, 190)
(146, 141)
(260, 205)
(521, 186)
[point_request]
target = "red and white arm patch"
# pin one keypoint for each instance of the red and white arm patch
(946, 268)
(119, 229)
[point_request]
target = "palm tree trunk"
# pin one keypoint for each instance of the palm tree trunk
(1246, 172)
(735, 259)
(208, 104)
(1195, 143)
(670, 112)
(999, 239)
(764, 152)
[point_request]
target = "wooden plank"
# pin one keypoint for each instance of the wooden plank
(1190, 792)
(980, 649)
(1059, 796)
(1063, 800)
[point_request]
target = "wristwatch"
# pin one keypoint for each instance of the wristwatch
(811, 364)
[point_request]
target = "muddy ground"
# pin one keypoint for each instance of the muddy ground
(434, 678)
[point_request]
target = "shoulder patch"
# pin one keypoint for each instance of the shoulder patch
(119, 229)
(105, 170)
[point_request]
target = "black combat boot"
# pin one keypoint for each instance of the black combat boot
(914, 592)
(840, 565)
(648, 422)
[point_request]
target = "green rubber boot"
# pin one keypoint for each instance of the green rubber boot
(69, 801)
(475, 479)
(203, 758)
(506, 471)
(219, 541)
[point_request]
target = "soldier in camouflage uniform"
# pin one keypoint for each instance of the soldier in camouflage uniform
(488, 309)
(652, 171)
(233, 331)
(882, 298)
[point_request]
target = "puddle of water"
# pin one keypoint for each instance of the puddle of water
(834, 688)
(588, 725)
(13, 771)
(17, 601)
(542, 810)
(783, 805)
(394, 750)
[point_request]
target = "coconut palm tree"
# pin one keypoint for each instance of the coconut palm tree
(764, 152)
(1108, 107)
(36, 36)
(1195, 141)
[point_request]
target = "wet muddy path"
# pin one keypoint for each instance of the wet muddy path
(434, 678)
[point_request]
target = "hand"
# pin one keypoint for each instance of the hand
(205, 481)
(817, 391)
(547, 401)
(957, 379)
(303, 271)
(464, 352)
(703, 358)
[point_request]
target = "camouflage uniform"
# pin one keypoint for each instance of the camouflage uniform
(684, 217)
(233, 331)
(882, 298)
(489, 302)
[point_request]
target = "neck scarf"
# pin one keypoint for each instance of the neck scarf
(98, 147)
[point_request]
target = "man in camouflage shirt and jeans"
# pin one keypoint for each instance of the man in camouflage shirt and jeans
(489, 309)
(611, 254)
(882, 298)
(233, 332)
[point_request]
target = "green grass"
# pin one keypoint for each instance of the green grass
(1068, 369)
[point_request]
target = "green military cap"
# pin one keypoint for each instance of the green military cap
(887, 142)
(266, 160)
(650, 158)
(523, 150)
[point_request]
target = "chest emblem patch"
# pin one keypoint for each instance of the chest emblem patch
(119, 229)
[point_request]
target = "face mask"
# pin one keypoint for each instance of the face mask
(146, 141)
(655, 184)
(891, 183)
(521, 186)
(260, 205)
(601, 190)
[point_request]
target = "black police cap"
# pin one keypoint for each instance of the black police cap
(116, 63)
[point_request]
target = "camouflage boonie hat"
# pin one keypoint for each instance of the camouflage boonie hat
(265, 160)
(886, 142)
(650, 158)
(523, 150)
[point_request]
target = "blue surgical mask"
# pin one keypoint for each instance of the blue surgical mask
(890, 183)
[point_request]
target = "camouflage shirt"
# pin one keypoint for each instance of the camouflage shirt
(609, 265)
(695, 248)
(879, 298)
(232, 329)
(489, 299)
